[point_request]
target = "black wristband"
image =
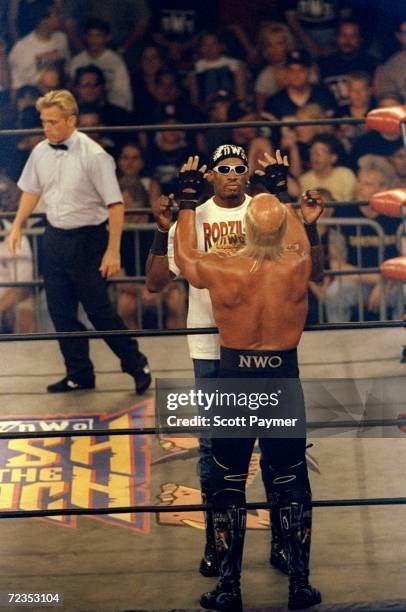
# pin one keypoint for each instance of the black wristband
(187, 204)
(160, 243)
(312, 233)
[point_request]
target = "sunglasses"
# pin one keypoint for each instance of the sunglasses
(240, 169)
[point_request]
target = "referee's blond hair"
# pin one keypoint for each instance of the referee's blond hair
(61, 98)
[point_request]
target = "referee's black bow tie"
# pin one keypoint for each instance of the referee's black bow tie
(61, 147)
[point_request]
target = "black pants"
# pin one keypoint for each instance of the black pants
(232, 455)
(71, 273)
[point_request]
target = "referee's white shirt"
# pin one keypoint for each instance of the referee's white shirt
(76, 185)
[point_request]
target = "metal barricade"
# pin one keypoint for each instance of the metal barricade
(358, 223)
(34, 233)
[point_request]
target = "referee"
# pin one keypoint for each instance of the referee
(76, 179)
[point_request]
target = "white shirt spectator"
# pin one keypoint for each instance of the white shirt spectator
(118, 84)
(340, 183)
(77, 185)
(31, 54)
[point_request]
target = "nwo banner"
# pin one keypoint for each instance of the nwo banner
(78, 472)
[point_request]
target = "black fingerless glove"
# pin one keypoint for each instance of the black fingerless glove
(190, 187)
(276, 181)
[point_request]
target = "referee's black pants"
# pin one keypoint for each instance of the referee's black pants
(71, 273)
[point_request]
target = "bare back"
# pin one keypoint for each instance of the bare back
(265, 309)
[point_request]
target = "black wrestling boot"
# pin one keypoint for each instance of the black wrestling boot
(229, 528)
(297, 543)
(301, 594)
(226, 597)
(278, 558)
(208, 565)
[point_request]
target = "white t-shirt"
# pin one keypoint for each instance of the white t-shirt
(117, 78)
(340, 183)
(217, 228)
(30, 55)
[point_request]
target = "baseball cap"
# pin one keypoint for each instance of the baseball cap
(227, 150)
(299, 56)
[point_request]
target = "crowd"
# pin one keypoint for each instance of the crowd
(141, 63)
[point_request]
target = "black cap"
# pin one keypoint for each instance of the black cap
(227, 150)
(299, 56)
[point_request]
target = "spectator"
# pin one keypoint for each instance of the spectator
(314, 22)
(375, 174)
(275, 40)
(89, 117)
(213, 71)
(135, 303)
(325, 172)
(130, 164)
(218, 105)
(140, 191)
(249, 138)
(128, 20)
(90, 87)
(143, 79)
(391, 77)
(166, 154)
(21, 17)
(296, 141)
(350, 57)
(16, 303)
(118, 86)
(398, 161)
(376, 143)
(299, 90)
(9, 193)
(50, 78)
(21, 149)
(44, 46)
(170, 100)
(359, 93)
(176, 26)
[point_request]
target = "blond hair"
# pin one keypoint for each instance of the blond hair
(61, 98)
(262, 245)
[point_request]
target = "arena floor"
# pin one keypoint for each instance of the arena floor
(141, 562)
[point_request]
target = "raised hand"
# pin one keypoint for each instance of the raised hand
(275, 172)
(163, 211)
(312, 205)
(191, 182)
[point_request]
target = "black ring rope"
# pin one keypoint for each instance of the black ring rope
(144, 431)
(324, 503)
(145, 333)
(197, 126)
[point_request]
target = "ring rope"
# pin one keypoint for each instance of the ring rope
(143, 431)
(145, 333)
(324, 503)
(197, 126)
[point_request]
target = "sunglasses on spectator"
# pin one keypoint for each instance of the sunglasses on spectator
(226, 169)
